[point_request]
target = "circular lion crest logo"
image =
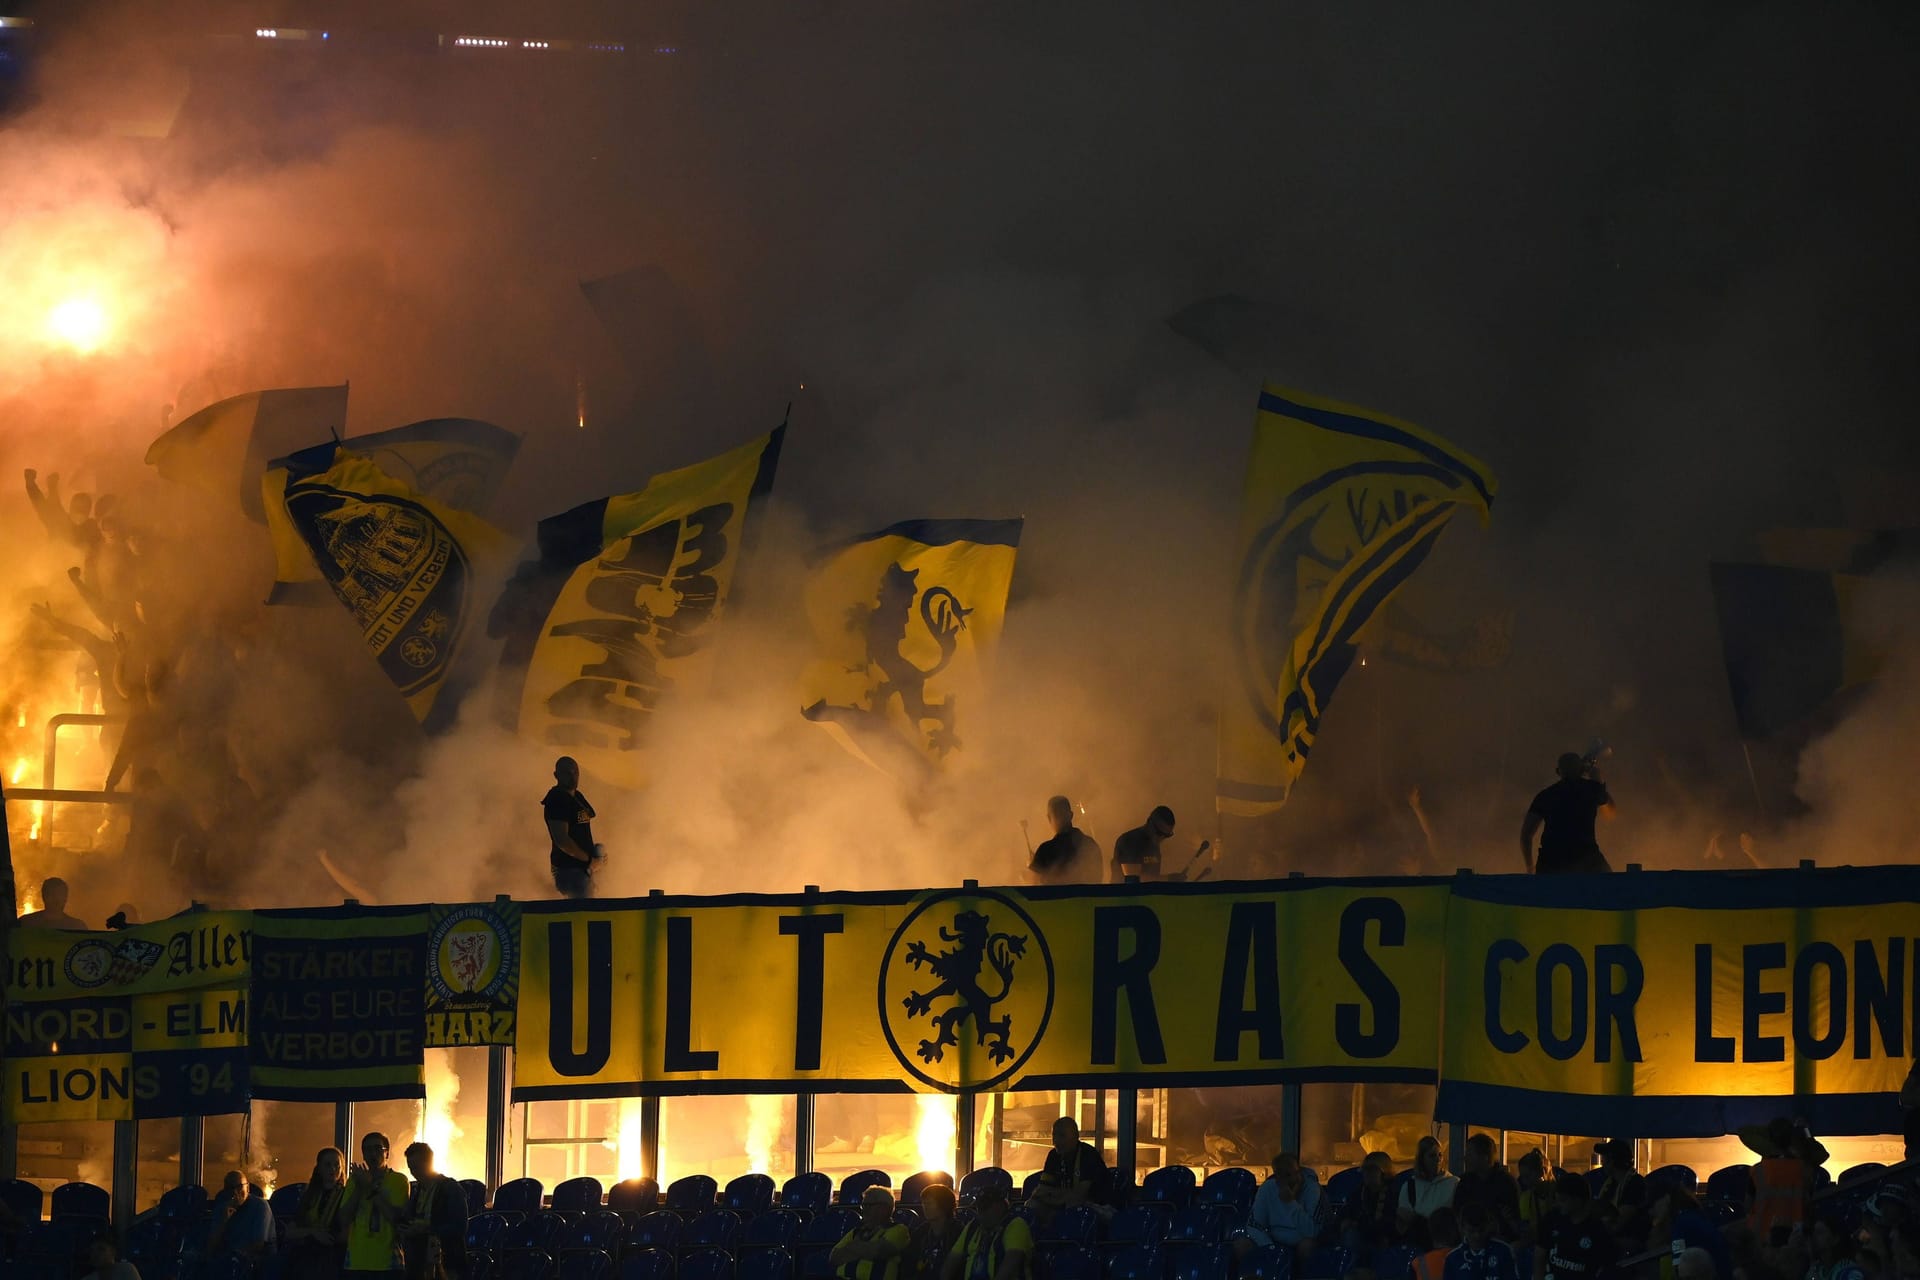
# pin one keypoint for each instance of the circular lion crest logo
(472, 955)
(89, 964)
(966, 989)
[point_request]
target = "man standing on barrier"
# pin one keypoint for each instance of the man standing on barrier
(570, 826)
(1568, 810)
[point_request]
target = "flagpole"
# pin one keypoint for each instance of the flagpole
(1759, 805)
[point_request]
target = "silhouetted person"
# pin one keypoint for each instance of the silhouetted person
(435, 1231)
(53, 909)
(1137, 852)
(1567, 810)
(1070, 856)
(570, 824)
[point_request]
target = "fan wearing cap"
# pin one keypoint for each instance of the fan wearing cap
(995, 1245)
(873, 1249)
(1622, 1193)
(1575, 1245)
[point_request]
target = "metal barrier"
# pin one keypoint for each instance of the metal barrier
(49, 790)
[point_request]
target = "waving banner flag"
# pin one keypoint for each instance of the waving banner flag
(457, 462)
(223, 449)
(1342, 505)
(907, 619)
(620, 607)
(411, 571)
(1791, 642)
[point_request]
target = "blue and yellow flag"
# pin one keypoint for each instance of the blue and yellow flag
(412, 571)
(223, 449)
(621, 605)
(1342, 505)
(907, 620)
(456, 462)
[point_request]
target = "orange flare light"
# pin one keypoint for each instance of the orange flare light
(78, 323)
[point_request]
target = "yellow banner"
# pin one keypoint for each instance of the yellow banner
(906, 622)
(1599, 1005)
(197, 950)
(980, 989)
(1342, 506)
(135, 1024)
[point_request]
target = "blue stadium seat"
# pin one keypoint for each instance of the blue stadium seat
(535, 1233)
(855, 1185)
(748, 1195)
(1214, 1262)
(522, 1195)
(906, 1216)
(980, 1179)
(1343, 1186)
(585, 1264)
(646, 1264)
(488, 1230)
(692, 1194)
(1229, 1187)
(152, 1245)
(1730, 1184)
(1674, 1175)
(1070, 1262)
(531, 1265)
(714, 1229)
(475, 1192)
(182, 1204)
(765, 1264)
(1395, 1262)
(1172, 1185)
(656, 1230)
(1075, 1225)
(714, 1264)
(81, 1200)
(774, 1229)
(600, 1231)
(634, 1197)
(1860, 1171)
(910, 1189)
(22, 1198)
(1140, 1224)
(1031, 1181)
(1269, 1263)
(1200, 1224)
(577, 1195)
(807, 1193)
(1137, 1263)
(1329, 1262)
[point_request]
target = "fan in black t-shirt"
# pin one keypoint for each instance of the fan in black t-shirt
(1567, 810)
(1576, 1244)
(570, 826)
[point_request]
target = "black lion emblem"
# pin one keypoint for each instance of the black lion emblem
(958, 968)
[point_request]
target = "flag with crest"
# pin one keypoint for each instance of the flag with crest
(1342, 505)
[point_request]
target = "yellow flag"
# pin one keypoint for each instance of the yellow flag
(621, 607)
(457, 462)
(411, 571)
(1342, 505)
(223, 449)
(907, 620)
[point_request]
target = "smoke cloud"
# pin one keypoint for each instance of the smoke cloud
(1654, 269)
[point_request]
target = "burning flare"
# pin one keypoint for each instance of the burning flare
(78, 323)
(935, 1131)
(626, 1145)
(764, 1114)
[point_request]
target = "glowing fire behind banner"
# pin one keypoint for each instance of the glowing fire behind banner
(981, 989)
(1681, 1004)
